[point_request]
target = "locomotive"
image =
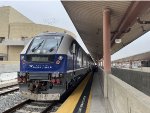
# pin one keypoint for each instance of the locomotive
(50, 64)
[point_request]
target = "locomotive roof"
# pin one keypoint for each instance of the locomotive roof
(57, 33)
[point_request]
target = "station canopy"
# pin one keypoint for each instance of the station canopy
(129, 20)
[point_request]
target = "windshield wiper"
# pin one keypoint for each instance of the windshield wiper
(36, 47)
(52, 48)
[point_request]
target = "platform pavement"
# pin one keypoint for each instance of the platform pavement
(98, 104)
(70, 103)
(96, 101)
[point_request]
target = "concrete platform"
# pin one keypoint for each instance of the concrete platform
(122, 98)
(98, 103)
(69, 105)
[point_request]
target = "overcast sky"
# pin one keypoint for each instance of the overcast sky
(51, 12)
(140, 45)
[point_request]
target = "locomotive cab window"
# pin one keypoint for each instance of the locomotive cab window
(45, 44)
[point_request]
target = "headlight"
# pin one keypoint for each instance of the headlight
(55, 75)
(22, 57)
(44, 51)
(60, 57)
(58, 62)
(60, 75)
(38, 51)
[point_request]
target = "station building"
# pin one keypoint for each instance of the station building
(15, 32)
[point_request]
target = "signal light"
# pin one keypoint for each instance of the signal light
(55, 78)
(55, 74)
(58, 62)
(55, 81)
(58, 81)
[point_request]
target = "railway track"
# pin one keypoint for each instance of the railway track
(9, 89)
(30, 106)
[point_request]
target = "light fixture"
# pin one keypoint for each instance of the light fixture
(117, 41)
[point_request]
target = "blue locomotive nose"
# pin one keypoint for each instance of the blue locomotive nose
(48, 63)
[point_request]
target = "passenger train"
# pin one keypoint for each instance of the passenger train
(50, 64)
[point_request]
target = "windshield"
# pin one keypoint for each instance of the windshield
(44, 44)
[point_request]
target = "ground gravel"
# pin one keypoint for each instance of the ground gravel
(10, 100)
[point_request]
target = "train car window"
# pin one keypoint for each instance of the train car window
(79, 57)
(74, 48)
(84, 59)
(71, 48)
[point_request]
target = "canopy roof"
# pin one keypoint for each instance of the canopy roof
(87, 17)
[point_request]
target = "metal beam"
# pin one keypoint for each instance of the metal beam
(134, 10)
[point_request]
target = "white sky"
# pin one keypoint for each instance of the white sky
(140, 45)
(51, 12)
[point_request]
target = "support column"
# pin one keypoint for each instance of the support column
(106, 48)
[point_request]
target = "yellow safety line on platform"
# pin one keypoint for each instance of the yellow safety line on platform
(89, 103)
(69, 105)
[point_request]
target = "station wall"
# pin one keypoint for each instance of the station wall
(14, 53)
(137, 79)
(125, 98)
